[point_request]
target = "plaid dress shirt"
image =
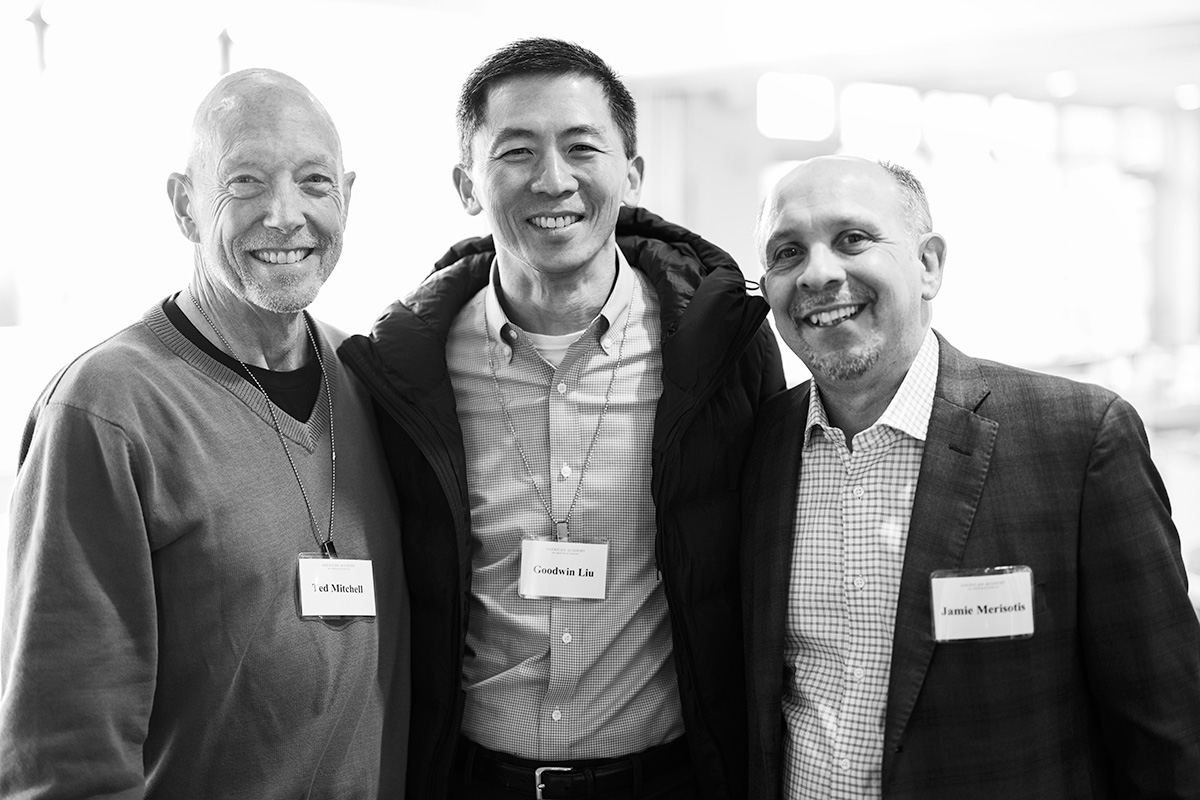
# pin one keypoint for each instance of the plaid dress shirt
(560, 679)
(852, 517)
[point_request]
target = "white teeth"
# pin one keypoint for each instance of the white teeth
(554, 222)
(824, 319)
(282, 256)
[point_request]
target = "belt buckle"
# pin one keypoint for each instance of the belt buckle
(537, 778)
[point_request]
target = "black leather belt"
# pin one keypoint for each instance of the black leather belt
(556, 780)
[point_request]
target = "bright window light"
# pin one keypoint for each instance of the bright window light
(18, 51)
(773, 174)
(1062, 84)
(795, 106)
(1089, 132)
(957, 124)
(1187, 96)
(1023, 130)
(880, 120)
(1142, 139)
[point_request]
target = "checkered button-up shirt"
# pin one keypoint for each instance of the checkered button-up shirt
(560, 679)
(852, 517)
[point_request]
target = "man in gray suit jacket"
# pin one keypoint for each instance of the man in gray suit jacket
(961, 579)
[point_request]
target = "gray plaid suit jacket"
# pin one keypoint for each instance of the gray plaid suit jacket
(1019, 468)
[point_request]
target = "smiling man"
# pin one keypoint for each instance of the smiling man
(960, 579)
(566, 406)
(175, 482)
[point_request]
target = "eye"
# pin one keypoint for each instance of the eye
(784, 256)
(584, 149)
(855, 240)
(245, 185)
(317, 177)
(516, 154)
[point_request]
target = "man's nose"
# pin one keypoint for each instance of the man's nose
(823, 270)
(554, 175)
(285, 211)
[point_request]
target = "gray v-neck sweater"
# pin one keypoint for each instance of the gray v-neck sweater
(152, 642)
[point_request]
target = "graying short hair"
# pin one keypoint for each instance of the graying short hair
(917, 217)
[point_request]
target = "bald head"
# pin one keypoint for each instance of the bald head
(254, 98)
(264, 196)
(888, 181)
(851, 270)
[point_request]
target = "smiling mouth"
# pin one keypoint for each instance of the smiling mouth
(554, 223)
(828, 319)
(282, 256)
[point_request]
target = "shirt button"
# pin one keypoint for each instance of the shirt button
(859, 582)
(565, 471)
(858, 673)
(556, 715)
(566, 637)
(562, 388)
(512, 334)
(844, 763)
(859, 491)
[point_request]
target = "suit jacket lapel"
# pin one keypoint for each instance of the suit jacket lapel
(958, 449)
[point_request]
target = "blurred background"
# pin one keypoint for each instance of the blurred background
(1059, 141)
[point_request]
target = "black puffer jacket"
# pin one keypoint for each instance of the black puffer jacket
(720, 361)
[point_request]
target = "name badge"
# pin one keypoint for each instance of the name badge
(336, 587)
(989, 603)
(575, 570)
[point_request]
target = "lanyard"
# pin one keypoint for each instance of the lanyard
(327, 548)
(561, 526)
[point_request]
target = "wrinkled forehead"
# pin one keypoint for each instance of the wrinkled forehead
(272, 114)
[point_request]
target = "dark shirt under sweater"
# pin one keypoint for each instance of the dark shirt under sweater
(295, 391)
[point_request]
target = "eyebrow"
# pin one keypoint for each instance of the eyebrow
(774, 241)
(839, 223)
(235, 166)
(843, 221)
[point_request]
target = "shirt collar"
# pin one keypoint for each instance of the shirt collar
(614, 309)
(910, 409)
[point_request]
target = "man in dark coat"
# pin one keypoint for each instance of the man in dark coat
(567, 406)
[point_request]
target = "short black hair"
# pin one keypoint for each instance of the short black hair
(540, 56)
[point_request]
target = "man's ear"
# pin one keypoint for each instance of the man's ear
(633, 177)
(932, 252)
(347, 185)
(466, 190)
(179, 189)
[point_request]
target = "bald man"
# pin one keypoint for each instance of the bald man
(203, 601)
(960, 579)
